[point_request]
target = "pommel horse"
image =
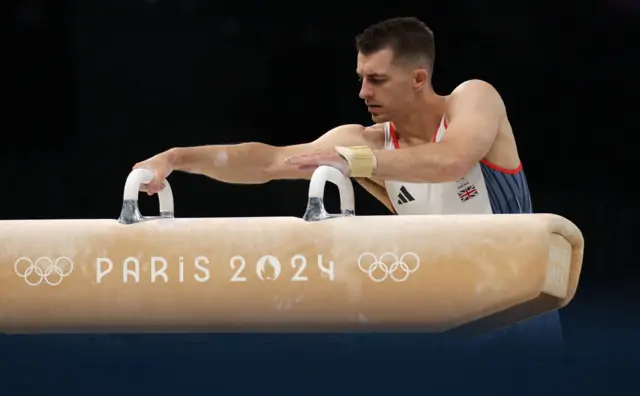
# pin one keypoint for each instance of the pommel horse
(322, 272)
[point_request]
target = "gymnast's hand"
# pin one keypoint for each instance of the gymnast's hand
(161, 167)
(312, 160)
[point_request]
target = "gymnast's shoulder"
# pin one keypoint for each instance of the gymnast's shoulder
(355, 135)
(475, 90)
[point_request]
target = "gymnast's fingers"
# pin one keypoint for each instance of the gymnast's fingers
(161, 169)
(155, 186)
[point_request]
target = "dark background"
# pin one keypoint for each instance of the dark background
(95, 86)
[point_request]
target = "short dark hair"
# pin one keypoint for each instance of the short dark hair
(408, 37)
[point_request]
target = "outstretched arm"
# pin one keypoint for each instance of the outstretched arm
(475, 113)
(246, 163)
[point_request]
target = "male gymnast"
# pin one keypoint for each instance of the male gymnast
(424, 154)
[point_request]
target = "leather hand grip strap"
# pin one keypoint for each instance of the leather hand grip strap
(361, 160)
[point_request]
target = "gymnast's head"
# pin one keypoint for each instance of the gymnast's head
(395, 63)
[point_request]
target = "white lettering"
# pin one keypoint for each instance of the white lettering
(181, 269)
(198, 263)
(100, 272)
(274, 264)
(155, 272)
(241, 262)
(326, 270)
(164, 270)
(302, 261)
(135, 272)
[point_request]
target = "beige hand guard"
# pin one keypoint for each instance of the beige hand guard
(361, 160)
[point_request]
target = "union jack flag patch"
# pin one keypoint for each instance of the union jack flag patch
(466, 194)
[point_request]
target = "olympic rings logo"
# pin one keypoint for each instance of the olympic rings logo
(388, 266)
(43, 269)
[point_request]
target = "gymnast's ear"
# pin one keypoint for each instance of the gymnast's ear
(420, 78)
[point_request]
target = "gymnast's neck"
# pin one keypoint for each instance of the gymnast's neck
(420, 122)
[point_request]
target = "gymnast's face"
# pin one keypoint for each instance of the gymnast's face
(388, 88)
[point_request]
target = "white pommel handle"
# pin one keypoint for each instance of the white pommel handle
(328, 173)
(136, 178)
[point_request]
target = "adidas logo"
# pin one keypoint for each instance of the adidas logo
(404, 196)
